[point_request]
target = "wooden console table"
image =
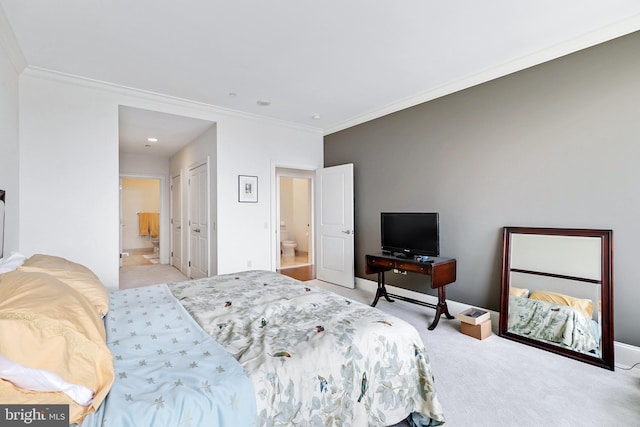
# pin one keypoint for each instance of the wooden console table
(441, 270)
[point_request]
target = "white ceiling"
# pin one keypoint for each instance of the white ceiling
(346, 61)
(172, 132)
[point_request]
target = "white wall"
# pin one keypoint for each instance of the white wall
(295, 210)
(302, 214)
(69, 174)
(247, 231)
(69, 171)
(286, 208)
(9, 71)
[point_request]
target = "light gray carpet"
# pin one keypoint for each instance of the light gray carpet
(132, 276)
(494, 382)
(497, 382)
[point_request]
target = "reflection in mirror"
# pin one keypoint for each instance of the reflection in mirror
(557, 291)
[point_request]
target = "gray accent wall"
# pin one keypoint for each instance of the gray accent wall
(556, 145)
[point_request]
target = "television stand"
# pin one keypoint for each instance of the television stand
(441, 270)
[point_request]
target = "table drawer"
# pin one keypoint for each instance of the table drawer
(418, 268)
(377, 262)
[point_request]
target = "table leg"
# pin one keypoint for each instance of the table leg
(382, 290)
(441, 308)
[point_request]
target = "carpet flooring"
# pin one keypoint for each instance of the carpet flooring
(497, 382)
(494, 382)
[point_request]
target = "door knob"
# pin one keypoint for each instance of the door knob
(346, 231)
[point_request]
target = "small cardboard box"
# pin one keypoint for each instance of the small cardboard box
(479, 331)
(473, 316)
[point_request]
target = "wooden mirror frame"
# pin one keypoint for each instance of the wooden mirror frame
(606, 359)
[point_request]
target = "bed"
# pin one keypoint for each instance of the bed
(251, 348)
(554, 323)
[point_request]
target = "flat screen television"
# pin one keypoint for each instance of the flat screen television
(410, 233)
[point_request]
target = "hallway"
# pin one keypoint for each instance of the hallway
(133, 276)
(139, 270)
(144, 256)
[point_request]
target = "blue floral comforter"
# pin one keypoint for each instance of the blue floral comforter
(169, 372)
(315, 358)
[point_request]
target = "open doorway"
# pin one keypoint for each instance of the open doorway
(294, 222)
(140, 221)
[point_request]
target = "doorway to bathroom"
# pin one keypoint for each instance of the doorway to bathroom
(294, 219)
(139, 220)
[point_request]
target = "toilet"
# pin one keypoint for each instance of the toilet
(288, 246)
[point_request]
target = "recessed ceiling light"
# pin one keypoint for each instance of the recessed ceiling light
(152, 139)
(232, 94)
(263, 102)
(316, 117)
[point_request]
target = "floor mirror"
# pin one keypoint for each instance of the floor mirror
(557, 291)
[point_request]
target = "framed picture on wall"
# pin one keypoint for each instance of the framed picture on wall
(247, 189)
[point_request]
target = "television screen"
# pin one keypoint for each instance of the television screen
(410, 233)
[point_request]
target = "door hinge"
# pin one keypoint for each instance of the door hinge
(189, 263)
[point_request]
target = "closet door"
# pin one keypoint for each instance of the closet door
(198, 221)
(176, 222)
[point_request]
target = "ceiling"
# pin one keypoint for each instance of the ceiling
(172, 132)
(324, 64)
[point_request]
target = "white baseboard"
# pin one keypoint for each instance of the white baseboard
(454, 306)
(625, 355)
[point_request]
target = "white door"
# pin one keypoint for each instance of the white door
(334, 225)
(121, 226)
(198, 222)
(176, 222)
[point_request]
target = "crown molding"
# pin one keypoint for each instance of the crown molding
(75, 80)
(584, 41)
(10, 44)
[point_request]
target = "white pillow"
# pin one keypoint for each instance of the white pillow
(42, 380)
(11, 262)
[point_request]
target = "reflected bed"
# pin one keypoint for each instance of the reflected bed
(553, 323)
